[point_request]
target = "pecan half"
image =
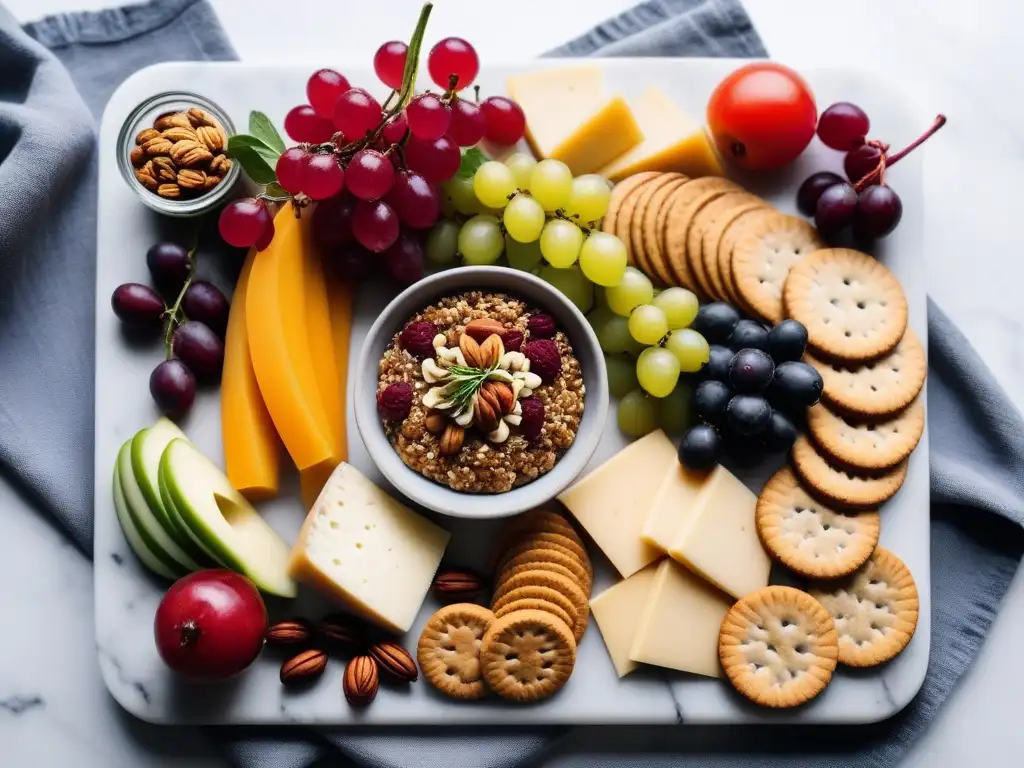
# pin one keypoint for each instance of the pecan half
(165, 169)
(172, 120)
(191, 179)
(157, 146)
(304, 667)
(212, 138)
(137, 156)
(197, 117)
(170, 191)
(212, 181)
(395, 660)
(455, 584)
(190, 153)
(220, 165)
(288, 633)
(361, 681)
(146, 177)
(452, 439)
(146, 134)
(177, 133)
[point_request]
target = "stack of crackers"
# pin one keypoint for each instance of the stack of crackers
(523, 647)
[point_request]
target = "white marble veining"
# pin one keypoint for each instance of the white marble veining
(53, 708)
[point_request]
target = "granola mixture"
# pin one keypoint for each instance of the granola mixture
(482, 466)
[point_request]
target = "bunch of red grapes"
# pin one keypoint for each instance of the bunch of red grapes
(863, 200)
(375, 171)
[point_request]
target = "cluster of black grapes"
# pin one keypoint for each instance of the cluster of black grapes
(752, 392)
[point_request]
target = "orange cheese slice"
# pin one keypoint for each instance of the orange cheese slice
(252, 450)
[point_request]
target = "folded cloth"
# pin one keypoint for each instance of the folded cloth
(54, 82)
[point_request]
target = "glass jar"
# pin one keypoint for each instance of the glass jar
(142, 117)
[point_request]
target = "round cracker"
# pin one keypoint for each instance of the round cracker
(527, 655)
(548, 553)
(677, 224)
(875, 610)
(636, 226)
(653, 229)
(448, 650)
(705, 218)
(730, 236)
(852, 305)
(620, 207)
(542, 599)
(567, 587)
(846, 488)
(763, 257)
(869, 444)
(808, 536)
(778, 647)
(713, 238)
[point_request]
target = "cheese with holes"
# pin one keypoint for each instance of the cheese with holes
(617, 613)
(673, 505)
(680, 621)
(372, 554)
(571, 117)
(612, 502)
(673, 141)
(719, 541)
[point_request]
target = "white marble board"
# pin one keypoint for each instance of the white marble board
(126, 596)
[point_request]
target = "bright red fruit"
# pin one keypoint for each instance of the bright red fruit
(395, 129)
(210, 625)
(453, 56)
(506, 122)
(323, 89)
(762, 116)
(389, 63)
(356, 113)
(289, 169)
(468, 123)
(428, 117)
(322, 176)
(438, 160)
(302, 123)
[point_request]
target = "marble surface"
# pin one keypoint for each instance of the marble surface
(54, 710)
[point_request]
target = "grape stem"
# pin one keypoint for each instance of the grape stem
(174, 314)
(885, 161)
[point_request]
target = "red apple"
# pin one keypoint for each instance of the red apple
(210, 625)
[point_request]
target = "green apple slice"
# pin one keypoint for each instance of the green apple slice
(147, 447)
(220, 517)
(146, 518)
(179, 522)
(141, 543)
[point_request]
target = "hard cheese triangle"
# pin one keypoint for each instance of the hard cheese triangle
(617, 612)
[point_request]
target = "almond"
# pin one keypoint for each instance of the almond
(491, 351)
(304, 667)
(288, 633)
(470, 350)
(502, 393)
(457, 584)
(436, 423)
(452, 439)
(361, 681)
(395, 660)
(486, 411)
(483, 327)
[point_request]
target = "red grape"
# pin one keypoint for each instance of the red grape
(199, 348)
(428, 117)
(266, 238)
(243, 221)
(354, 262)
(137, 304)
(206, 303)
(169, 265)
(323, 89)
(506, 122)
(375, 225)
(843, 126)
(438, 160)
(356, 113)
(332, 220)
(861, 161)
(879, 210)
(836, 207)
(395, 129)
(389, 63)
(304, 124)
(322, 177)
(370, 174)
(468, 123)
(809, 192)
(404, 260)
(173, 387)
(289, 169)
(416, 202)
(453, 56)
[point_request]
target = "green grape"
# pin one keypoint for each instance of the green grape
(647, 324)
(634, 348)
(521, 165)
(657, 370)
(675, 415)
(589, 197)
(603, 258)
(443, 242)
(637, 414)
(560, 243)
(634, 289)
(493, 183)
(621, 375)
(613, 334)
(480, 241)
(460, 190)
(572, 283)
(551, 183)
(690, 348)
(524, 218)
(601, 297)
(524, 256)
(679, 305)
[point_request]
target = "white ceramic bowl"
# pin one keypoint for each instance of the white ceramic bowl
(536, 293)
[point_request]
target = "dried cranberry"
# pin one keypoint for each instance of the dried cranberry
(533, 418)
(512, 340)
(541, 327)
(418, 339)
(544, 359)
(395, 401)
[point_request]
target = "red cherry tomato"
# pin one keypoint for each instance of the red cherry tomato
(762, 116)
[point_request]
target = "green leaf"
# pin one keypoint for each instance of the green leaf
(255, 144)
(276, 192)
(472, 159)
(253, 163)
(264, 130)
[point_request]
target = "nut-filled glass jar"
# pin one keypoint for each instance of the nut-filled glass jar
(180, 168)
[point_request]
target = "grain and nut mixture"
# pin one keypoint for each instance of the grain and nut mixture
(480, 392)
(182, 155)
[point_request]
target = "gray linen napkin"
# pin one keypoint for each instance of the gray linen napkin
(47, 175)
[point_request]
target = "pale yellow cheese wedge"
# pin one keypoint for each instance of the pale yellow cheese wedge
(673, 507)
(680, 622)
(570, 117)
(617, 613)
(673, 141)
